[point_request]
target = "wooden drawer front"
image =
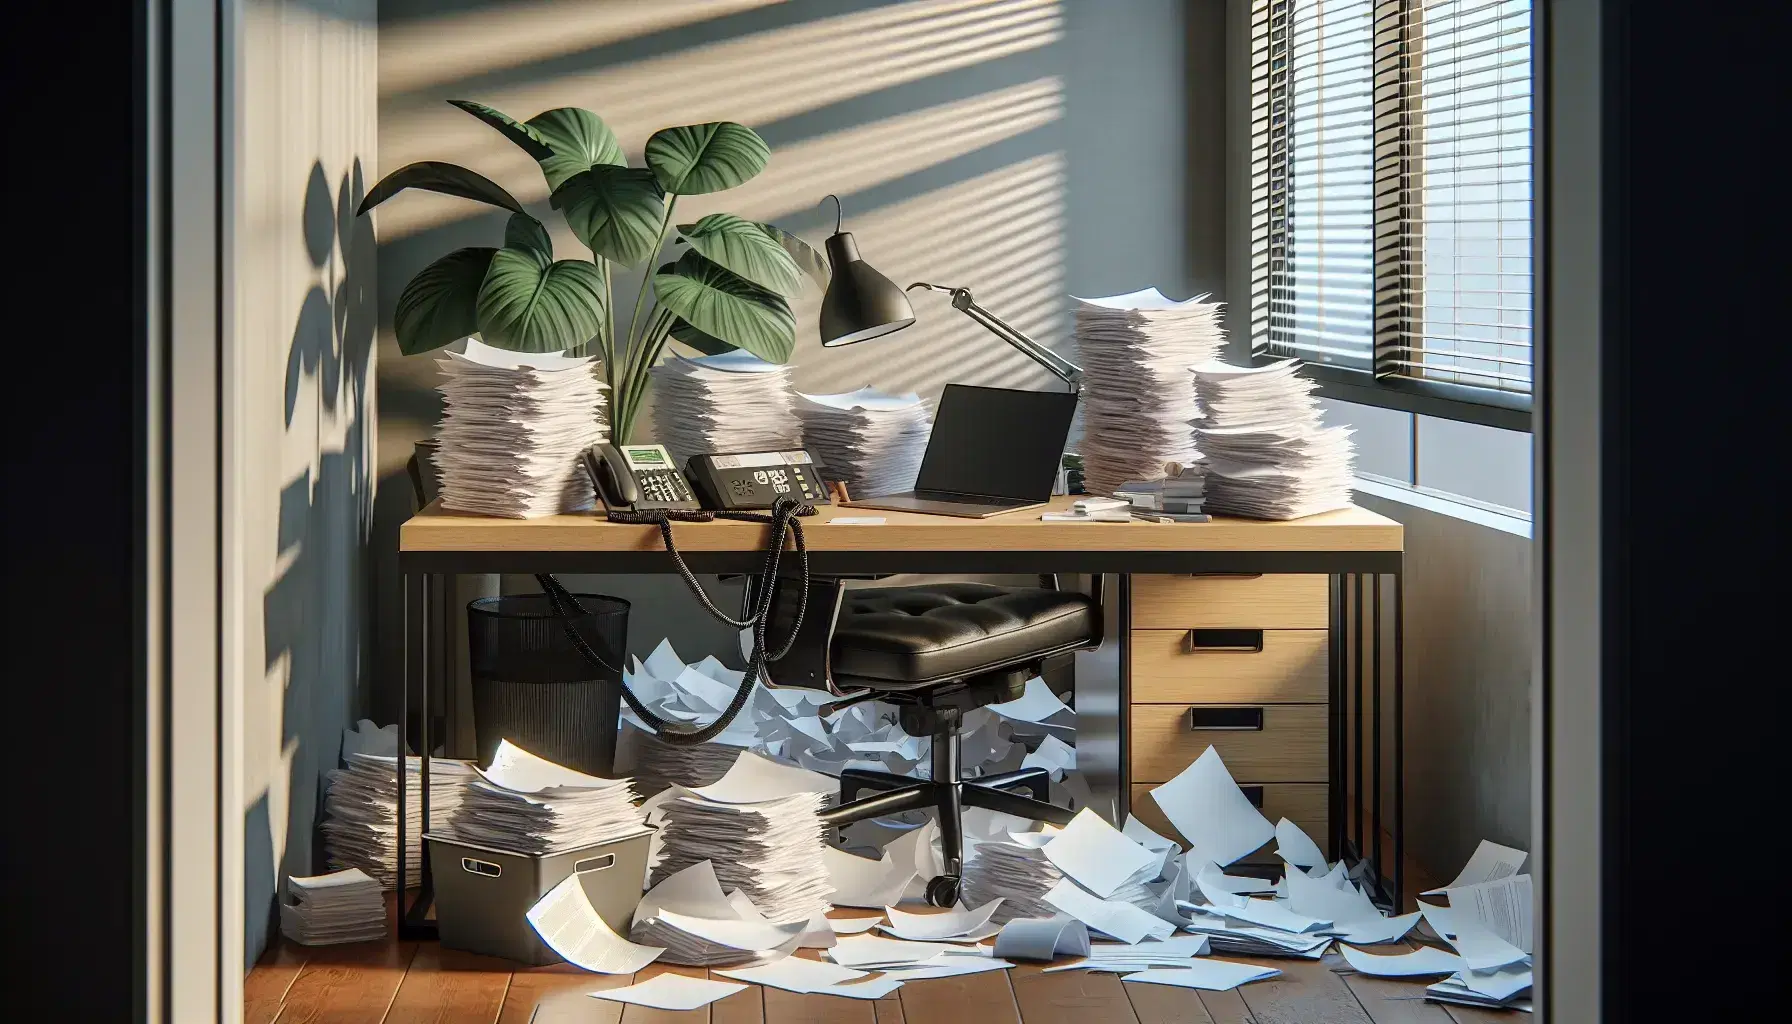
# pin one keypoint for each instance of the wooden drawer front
(1169, 668)
(1290, 747)
(1276, 601)
(1305, 804)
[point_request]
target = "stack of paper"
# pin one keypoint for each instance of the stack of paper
(1016, 871)
(735, 402)
(698, 924)
(871, 440)
(760, 827)
(1138, 400)
(360, 827)
(1267, 454)
(346, 906)
(513, 426)
(528, 804)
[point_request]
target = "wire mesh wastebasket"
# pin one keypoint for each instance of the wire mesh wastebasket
(532, 686)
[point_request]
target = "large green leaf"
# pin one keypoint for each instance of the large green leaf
(525, 232)
(529, 304)
(440, 305)
(615, 211)
(579, 140)
(708, 344)
(526, 137)
(436, 176)
(810, 261)
(745, 247)
(700, 158)
(728, 307)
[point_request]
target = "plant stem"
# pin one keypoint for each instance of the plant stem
(607, 336)
(647, 277)
(653, 341)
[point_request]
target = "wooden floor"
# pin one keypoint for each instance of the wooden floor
(412, 982)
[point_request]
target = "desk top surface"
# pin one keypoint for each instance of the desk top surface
(1350, 529)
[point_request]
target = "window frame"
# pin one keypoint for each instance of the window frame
(1258, 179)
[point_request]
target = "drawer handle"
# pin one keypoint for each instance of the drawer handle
(1225, 719)
(474, 866)
(1227, 575)
(1254, 794)
(597, 863)
(1225, 640)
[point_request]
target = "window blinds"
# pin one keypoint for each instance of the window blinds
(1391, 186)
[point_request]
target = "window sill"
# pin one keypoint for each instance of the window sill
(1501, 409)
(1493, 517)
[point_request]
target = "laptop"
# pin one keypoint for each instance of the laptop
(992, 450)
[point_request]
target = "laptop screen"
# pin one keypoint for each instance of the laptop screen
(997, 442)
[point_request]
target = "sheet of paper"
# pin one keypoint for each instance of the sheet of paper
(1271, 914)
(1319, 898)
(694, 891)
(1211, 975)
(1501, 984)
(1379, 932)
(1424, 960)
(1174, 945)
(945, 925)
(1212, 883)
(1481, 950)
(754, 779)
(1054, 755)
(853, 925)
(1210, 875)
(858, 521)
(1035, 704)
(794, 974)
(664, 663)
(734, 932)
(947, 966)
(714, 694)
(1502, 906)
(874, 951)
(1042, 938)
(1211, 812)
(1489, 861)
(572, 927)
(671, 992)
(870, 988)
(1122, 921)
(1295, 846)
(862, 882)
(516, 769)
(917, 846)
(1097, 854)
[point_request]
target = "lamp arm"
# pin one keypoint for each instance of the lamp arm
(1062, 368)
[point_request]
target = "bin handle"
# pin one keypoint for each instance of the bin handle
(475, 866)
(597, 863)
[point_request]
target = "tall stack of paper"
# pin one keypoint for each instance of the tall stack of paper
(1015, 871)
(1267, 454)
(735, 402)
(871, 440)
(360, 827)
(1138, 400)
(346, 906)
(513, 426)
(759, 827)
(697, 924)
(528, 804)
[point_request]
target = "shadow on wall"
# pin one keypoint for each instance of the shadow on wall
(314, 615)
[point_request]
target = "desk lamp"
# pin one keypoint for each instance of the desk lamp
(862, 304)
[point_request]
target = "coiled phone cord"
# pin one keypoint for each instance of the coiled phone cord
(783, 520)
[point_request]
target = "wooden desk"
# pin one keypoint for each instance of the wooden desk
(1299, 586)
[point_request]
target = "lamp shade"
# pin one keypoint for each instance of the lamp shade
(861, 303)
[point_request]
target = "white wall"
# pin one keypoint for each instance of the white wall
(304, 414)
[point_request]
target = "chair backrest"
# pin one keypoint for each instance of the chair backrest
(805, 665)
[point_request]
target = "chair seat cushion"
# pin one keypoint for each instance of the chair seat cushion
(896, 638)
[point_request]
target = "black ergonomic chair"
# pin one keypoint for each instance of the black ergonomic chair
(936, 651)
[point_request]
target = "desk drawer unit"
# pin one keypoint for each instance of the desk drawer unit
(1239, 664)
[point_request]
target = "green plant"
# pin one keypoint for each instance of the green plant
(729, 289)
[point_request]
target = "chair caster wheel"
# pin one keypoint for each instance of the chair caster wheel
(942, 891)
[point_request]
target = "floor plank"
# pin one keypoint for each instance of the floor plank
(1476, 1015)
(1395, 1001)
(449, 986)
(557, 995)
(348, 984)
(746, 1007)
(983, 998)
(1070, 997)
(1308, 992)
(783, 1007)
(1223, 1007)
(265, 986)
(1166, 1004)
(632, 1014)
(889, 1009)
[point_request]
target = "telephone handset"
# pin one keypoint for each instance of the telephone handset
(638, 478)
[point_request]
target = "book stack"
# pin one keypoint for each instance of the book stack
(360, 827)
(1267, 454)
(870, 440)
(513, 427)
(1137, 398)
(345, 906)
(1180, 492)
(735, 402)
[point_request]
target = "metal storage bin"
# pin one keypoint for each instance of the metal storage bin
(483, 894)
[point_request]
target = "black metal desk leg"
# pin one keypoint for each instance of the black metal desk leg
(1336, 648)
(1399, 736)
(1356, 743)
(1375, 738)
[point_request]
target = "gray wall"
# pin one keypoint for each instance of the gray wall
(1032, 149)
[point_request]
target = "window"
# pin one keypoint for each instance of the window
(1391, 178)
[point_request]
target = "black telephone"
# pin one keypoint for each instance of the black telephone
(638, 478)
(643, 478)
